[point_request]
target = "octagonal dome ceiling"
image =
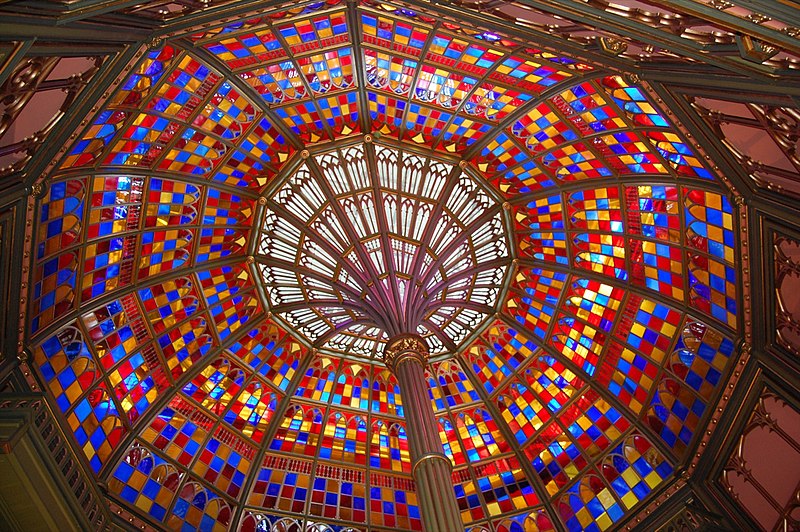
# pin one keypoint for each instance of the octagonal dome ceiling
(259, 203)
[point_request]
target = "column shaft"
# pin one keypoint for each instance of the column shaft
(406, 356)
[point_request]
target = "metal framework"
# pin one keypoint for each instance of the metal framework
(362, 244)
(239, 204)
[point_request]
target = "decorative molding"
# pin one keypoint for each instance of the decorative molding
(130, 519)
(27, 260)
(6, 252)
(420, 461)
(758, 475)
(405, 347)
(31, 77)
(678, 510)
(735, 123)
(786, 261)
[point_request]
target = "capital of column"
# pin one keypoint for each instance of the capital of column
(405, 347)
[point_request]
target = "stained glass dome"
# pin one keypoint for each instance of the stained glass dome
(259, 201)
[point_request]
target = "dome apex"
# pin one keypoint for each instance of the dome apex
(369, 241)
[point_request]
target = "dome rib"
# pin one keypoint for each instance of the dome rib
(109, 297)
(163, 400)
(386, 303)
(244, 88)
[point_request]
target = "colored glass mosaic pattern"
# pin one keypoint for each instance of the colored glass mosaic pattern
(566, 402)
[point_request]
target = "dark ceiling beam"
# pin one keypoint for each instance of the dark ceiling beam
(600, 19)
(59, 139)
(133, 14)
(65, 12)
(787, 9)
(585, 14)
(776, 203)
(720, 160)
(19, 27)
(701, 80)
(225, 14)
(743, 25)
(534, 37)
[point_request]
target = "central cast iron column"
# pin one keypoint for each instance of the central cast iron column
(406, 356)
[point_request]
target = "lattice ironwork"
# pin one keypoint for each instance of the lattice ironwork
(369, 241)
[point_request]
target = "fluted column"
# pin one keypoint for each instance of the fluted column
(406, 357)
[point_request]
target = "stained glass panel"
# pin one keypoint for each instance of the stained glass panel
(73, 379)
(504, 486)
(694, 371)
(208, 308)
(497, 354)
(146, 481)
(299, 431)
